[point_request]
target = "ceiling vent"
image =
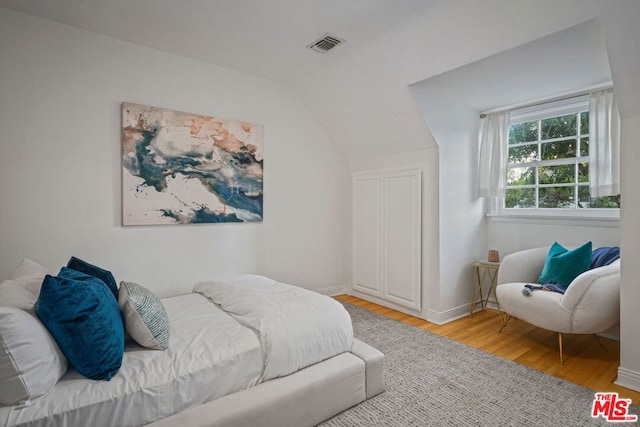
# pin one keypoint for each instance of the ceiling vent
(325, 43)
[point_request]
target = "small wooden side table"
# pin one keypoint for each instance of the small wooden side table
(483, 272)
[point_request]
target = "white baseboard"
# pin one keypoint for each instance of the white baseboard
(628, 378)
(333, 290)
(443, 317)
(437, 317)
(385, 303)
(612, 334)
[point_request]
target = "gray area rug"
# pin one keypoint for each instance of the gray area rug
(434, 381)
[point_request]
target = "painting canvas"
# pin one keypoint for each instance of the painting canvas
(181, 168)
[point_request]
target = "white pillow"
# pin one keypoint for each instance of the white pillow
(31, 362)
(14, 294)
(30, 275)
(23, 288)
(145, 317)
(29, 268)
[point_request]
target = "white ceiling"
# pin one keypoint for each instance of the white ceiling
(244, 35)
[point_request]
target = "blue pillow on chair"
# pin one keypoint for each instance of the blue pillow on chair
(604, 256)
(80, 313)
(92, 270)
(562, 265)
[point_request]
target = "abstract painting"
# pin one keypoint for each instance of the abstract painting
(182, 168)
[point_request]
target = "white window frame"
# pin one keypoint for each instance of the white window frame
(582, 215)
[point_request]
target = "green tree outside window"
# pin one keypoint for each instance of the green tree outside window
(549, 166)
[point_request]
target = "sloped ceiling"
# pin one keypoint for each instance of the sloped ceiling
(267, 38)
(359, 91)
(561, 63)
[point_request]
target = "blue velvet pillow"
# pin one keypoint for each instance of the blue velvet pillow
(95, 271)
(604, 256)
(562, 265)
(85, 320)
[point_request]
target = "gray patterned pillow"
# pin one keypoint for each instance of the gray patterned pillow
(145, 318)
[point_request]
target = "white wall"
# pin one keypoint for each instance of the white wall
(509, 236)
(623, 39)
(451, 103)
(462, 234)
(368, 112)
(365, 105)
(629, 370)
(55, 74)
(461, 228)
(60, 167)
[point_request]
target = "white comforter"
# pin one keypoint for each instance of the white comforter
(210, 356)
(296, 327)
(257, 329)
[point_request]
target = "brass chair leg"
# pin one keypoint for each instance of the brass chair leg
(600, 342)
(560, 347)
(505, 320)
(477, 291)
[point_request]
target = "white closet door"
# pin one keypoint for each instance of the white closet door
(387, 235)
(367, 223)
(402, 238)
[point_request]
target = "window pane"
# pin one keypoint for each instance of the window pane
(557, 127)
(543, 170)
(520, 198)
(561, 174)
(584, 146)
(583, 172)
(606, 202)
(523, 132)
(523, 154)
(584, 123)
(557, 197)
(521, 176)
(559, 149)
(585, 200)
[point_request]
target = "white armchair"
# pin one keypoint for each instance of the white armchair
(590, 305)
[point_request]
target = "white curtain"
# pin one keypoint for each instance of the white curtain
(492, 170)
(604, 144)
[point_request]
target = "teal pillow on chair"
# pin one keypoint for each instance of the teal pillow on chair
(562, 265)
(83, 317)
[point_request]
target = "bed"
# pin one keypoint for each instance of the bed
(243, 351)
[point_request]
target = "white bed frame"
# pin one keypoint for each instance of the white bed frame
(304, 398)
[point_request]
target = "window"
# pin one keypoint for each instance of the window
(548, 162)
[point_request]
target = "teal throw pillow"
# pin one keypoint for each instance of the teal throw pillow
(92, 270)
(83, 317)
(562, 265)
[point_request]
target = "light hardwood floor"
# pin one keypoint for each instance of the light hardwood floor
(585, 362)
